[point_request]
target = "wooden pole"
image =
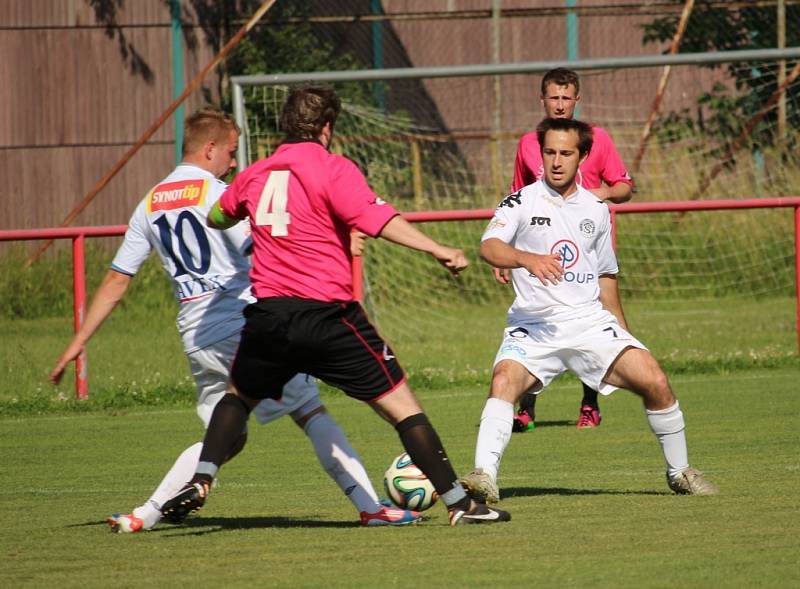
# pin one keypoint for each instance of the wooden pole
(781, 70)
(662, 85)
(747, 131)
(193, 85)
(416, 173)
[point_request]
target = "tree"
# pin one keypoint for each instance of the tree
(723, 111)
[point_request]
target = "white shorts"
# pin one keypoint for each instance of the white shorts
(586, 346)
(210, 367)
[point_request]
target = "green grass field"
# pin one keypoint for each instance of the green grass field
(590, 507)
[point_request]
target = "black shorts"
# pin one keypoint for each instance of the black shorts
(334, 342)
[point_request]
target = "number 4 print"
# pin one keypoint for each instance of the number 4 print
(275, 193)
(611, 329)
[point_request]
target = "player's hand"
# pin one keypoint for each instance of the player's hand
(501, 275)
(358, 242)
(451, 258)
(73, 351)
(546, 267)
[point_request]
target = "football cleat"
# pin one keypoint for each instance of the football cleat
(191, 498)
(478, 513)
(691, 482)
(126, 523)
(589, 417)
(389, 516)
(480, 486)
(523, 422)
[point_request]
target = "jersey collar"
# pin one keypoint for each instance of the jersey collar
(196, 167)
(290, 140)
(553, 193)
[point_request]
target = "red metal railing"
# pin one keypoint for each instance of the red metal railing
(78, 236)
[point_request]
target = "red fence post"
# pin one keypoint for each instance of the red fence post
(358, 278)
(79, 311)
(797, 269)
(614, 230)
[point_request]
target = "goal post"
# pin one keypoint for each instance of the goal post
(708, 289)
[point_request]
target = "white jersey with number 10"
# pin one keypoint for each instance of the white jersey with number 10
(208, 268)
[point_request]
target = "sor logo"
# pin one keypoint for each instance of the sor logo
(540, 221)
(586, 227)
(511, 200)
(569, 252)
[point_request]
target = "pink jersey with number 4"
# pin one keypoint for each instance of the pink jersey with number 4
(603, 164)
(302, 202)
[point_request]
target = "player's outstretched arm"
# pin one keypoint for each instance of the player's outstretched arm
(401, 232)
(546, 267)
(609, 297)
(111, 291)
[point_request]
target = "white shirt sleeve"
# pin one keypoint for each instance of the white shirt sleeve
(606, 258)
(503, 225)
(135, 248)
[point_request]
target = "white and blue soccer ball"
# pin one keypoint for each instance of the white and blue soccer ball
(407, 486)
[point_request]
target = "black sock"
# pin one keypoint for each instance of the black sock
(589, 396)
(426, 451)
(223, 434)
(528, 403)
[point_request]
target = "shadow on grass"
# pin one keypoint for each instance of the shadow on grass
(508, 492)
(560, 423)
(541, 424)
(251, 522)
(200, 526)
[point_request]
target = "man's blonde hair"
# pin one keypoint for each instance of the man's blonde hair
(207, 124)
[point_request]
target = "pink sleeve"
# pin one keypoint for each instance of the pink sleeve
(524, 173)
(231, 202)
(613, 170)
(355, 203)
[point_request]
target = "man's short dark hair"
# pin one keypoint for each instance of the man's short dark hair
(308, 109)
(584, 131)
(561, 76)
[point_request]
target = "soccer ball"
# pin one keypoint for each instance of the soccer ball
(407, 486)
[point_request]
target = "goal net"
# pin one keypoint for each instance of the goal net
(712, 289)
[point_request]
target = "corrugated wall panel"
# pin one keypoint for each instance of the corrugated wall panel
(72, 108)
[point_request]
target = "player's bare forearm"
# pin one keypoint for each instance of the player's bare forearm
(110, 292)
(401, 232)
(609, 297)
(217, 219)
(618, 193)
(546, 267)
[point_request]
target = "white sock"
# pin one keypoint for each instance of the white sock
(181, 471)
(341, 462)
(497, 420)
(668, 426)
